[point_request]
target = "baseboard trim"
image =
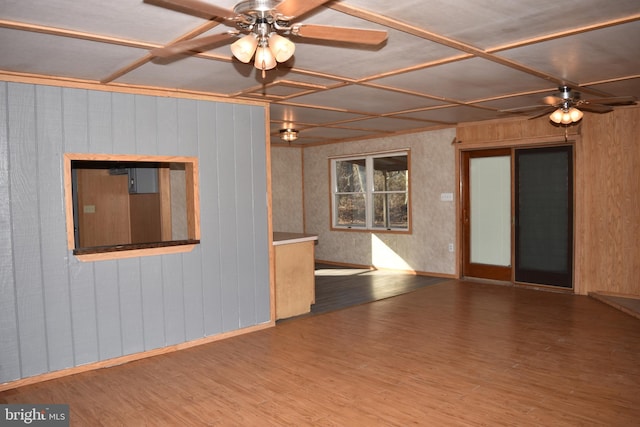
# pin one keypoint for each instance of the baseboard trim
(130, 357)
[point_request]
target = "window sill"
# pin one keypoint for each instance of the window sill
(373, 230)
(99, 253)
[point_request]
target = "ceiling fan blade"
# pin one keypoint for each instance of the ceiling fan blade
(615, 100)
(595, 108)
(342, 34)
(192, 44)
(293, 8)
(552, 100)
(545, 111)
(523, 109)
(195, 7)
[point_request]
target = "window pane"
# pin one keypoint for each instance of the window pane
(390, 210)
(351, 176)
(390, 173)
(350, 210)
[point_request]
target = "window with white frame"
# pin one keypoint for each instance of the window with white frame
(371, 192)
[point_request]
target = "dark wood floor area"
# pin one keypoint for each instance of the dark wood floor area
(449, 354)
(340, 287)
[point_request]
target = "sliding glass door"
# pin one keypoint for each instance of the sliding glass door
(487, 214)
(544, 216)
(517, 214)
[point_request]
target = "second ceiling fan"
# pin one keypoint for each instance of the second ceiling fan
(264, 21)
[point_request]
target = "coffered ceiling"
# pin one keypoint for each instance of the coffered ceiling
(444, 62)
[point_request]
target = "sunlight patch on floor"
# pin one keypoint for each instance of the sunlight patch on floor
(341, 271)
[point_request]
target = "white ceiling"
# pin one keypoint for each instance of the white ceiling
(444, 62)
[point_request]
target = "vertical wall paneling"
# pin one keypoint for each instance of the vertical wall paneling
(99, 121)
(189, 126)
(129, 283)
(57, 312)
(261, 226)
(146, 123)
(227, 193)
(9, 348)
(83, 311)
(130, 295)
(75, 125)
(75, 120)
(23, 154)
(123, 125)
(194, 294)
(152, 302)
(172, 269)
(173, 295)
(210, 223)
(167, 126)
(53, 237)
(244, 200)
(610, 230)
(108, 309)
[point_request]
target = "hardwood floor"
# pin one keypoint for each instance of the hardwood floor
(453, 353)
(340, 287)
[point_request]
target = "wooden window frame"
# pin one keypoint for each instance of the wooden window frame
(369, 193)
(136, 250)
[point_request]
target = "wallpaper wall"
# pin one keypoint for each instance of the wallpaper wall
(286, 189)
(432, 173)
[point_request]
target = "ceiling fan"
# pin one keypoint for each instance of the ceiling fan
(263, 21)
(566, 106)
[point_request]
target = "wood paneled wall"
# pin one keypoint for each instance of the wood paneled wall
(57, 312)
(607, 184)
(610, 215)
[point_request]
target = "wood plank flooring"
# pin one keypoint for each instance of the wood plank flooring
(340, 287)
(450, 354)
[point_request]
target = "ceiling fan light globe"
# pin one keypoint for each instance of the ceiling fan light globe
(556, 116)
(264, 59)
(281, 47)
(566, 118)
(244, 48)
(575, 114)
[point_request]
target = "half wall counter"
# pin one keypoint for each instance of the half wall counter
(294, 273)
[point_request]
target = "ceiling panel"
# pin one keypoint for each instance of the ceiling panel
(128, 19)
(366, 99)
(587, 57)
(308, 115)
(388, 124)
(466, 80)
(36, 53)
(453, 115)
(491, 23)
(439, 56)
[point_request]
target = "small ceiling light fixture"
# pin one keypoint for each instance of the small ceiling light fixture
(288, 134)
(566, 114)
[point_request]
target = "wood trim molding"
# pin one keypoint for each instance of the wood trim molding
(193, 204)
(122, 88)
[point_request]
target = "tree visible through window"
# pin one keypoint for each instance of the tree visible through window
(371, 192)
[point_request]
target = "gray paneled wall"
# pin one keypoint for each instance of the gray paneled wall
(57, 312)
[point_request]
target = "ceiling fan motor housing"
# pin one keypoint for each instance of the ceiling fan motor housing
(256, 7)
